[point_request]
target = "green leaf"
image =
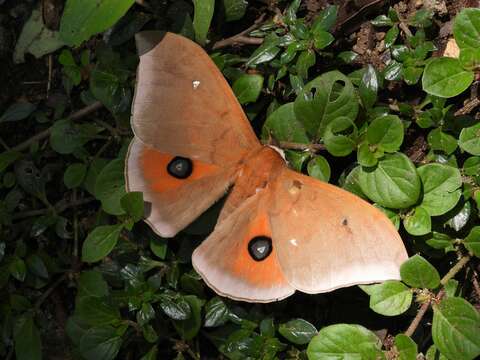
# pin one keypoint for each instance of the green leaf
(265, 52)
(18, 111)
(36, 39)
(411, 74)
(96, 311)
(466, 28)
(36, 266)
(365, 156)
(441, 185)
(368, 87)
(382, 20)
(319, 168)
(28, 344)
(100, 242)
(472, 241)
(176, 307)
(438, 140)
(110, 187)
(389, 298)
(189, 328)
(267, 327)
(151, 355)
(419, 273)
(7, 158)
(393, 183)
(406, 347)
(94, 170)
(344, 341)
(202, 18)
(469, 58)
(81, 20)
(145, 314)
(101, 343)
(391, 36)
(305, 61)
(347, 56)
(216, 312)
(296, 159)
(471, 166)
(469, 139)
(439, 240)
(393, 71)
(386, 132)
(283, 125)
(455, 329)
(234, 9)
(159, 247)
(326, 19)
(297, 331)
(445, 77)
(336, 141)
(247, 88)
(418, 223)
(133, 205)
(324, 99)
(321, 39)
(17, 268)
(92, 284)
(74, 175)
(434, 354)
(67, 137)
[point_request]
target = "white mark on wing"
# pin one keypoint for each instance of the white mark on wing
(261, 249)
(293, 242)
(195, 84)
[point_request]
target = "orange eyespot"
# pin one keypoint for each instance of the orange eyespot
(166, 172)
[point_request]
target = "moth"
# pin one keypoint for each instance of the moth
(278, 231)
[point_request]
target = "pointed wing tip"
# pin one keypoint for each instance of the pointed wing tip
(147, 40)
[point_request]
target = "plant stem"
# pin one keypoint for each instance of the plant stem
(4, 144)
(416, 321)
(59, 207)
(241, 38)
(455, 269)
(424, 308)
(295, 146)
(75, 226)
(45, 133)
(47, 293)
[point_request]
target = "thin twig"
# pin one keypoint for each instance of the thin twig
(4, 144)
(405, 29)
(241, 37)
(75, 225)
(468, 107)
(50, 74)
(476, 286)
(455, 269)
(45, 133)
(47, 293)
(424, 308)
(295, 146)
(416, 321)
(59, 207)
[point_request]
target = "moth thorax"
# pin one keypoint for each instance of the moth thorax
(260, 247)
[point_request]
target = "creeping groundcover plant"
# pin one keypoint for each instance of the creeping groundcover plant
(379, 98)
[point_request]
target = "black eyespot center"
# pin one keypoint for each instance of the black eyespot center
(260, 247)
(345, 222)
(180, 167)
